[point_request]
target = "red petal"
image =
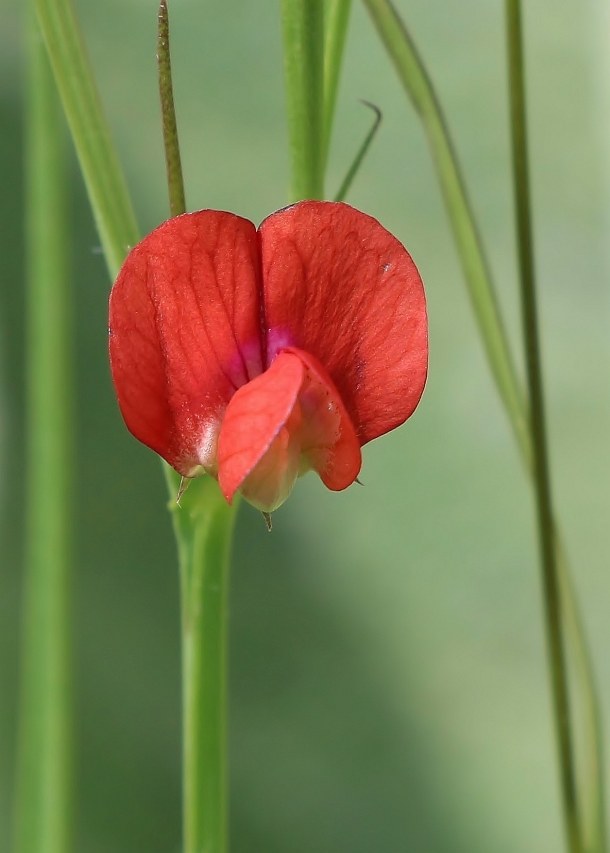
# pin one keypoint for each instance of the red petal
(338, 459)
(341, 287)
(281, 424)
(184, 332)
(254, 418)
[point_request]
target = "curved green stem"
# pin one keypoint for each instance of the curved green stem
(417, 84)
(42, 814)
(542, 475)
(360, 154)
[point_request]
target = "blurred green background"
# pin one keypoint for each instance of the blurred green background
(388, 683)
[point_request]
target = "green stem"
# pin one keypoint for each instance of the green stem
(542, 476)
(303, 32)
(203, 529)
(418, 86)
(42, 817)
(336, 15)
(204, 526)
(99, 164)
(175, 183)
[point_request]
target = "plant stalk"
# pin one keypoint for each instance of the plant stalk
(43, 788)
(204, 526)
(542, 474)
(303, 33)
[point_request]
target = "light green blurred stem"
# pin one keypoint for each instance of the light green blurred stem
(542, 475)
(99, 164)
(203, 530)
(42, 807)
(303, 34)
(417, 84)
(336, 19)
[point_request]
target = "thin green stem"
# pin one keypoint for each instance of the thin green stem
(360, 154)
(42, 814)
(542, 474)
(417, 84)
(175, 183)
(99, 164)
(336, 19)
(303, 33)
(204, 526)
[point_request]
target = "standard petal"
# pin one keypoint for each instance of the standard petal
(285, 422)
(342, 288)
(185, 332)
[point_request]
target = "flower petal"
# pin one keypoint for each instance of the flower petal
(282, 424)
(342, 288)
(185, 332)
(256, 416)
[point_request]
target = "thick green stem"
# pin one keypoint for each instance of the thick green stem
(204, 526)
(418, 86)
(42, 815)
(542, 475)
(303, 32)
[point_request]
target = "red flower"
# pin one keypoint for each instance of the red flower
(258, 355)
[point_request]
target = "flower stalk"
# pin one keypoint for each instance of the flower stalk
(203, 526)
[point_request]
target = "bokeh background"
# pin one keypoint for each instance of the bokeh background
(388, 684)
